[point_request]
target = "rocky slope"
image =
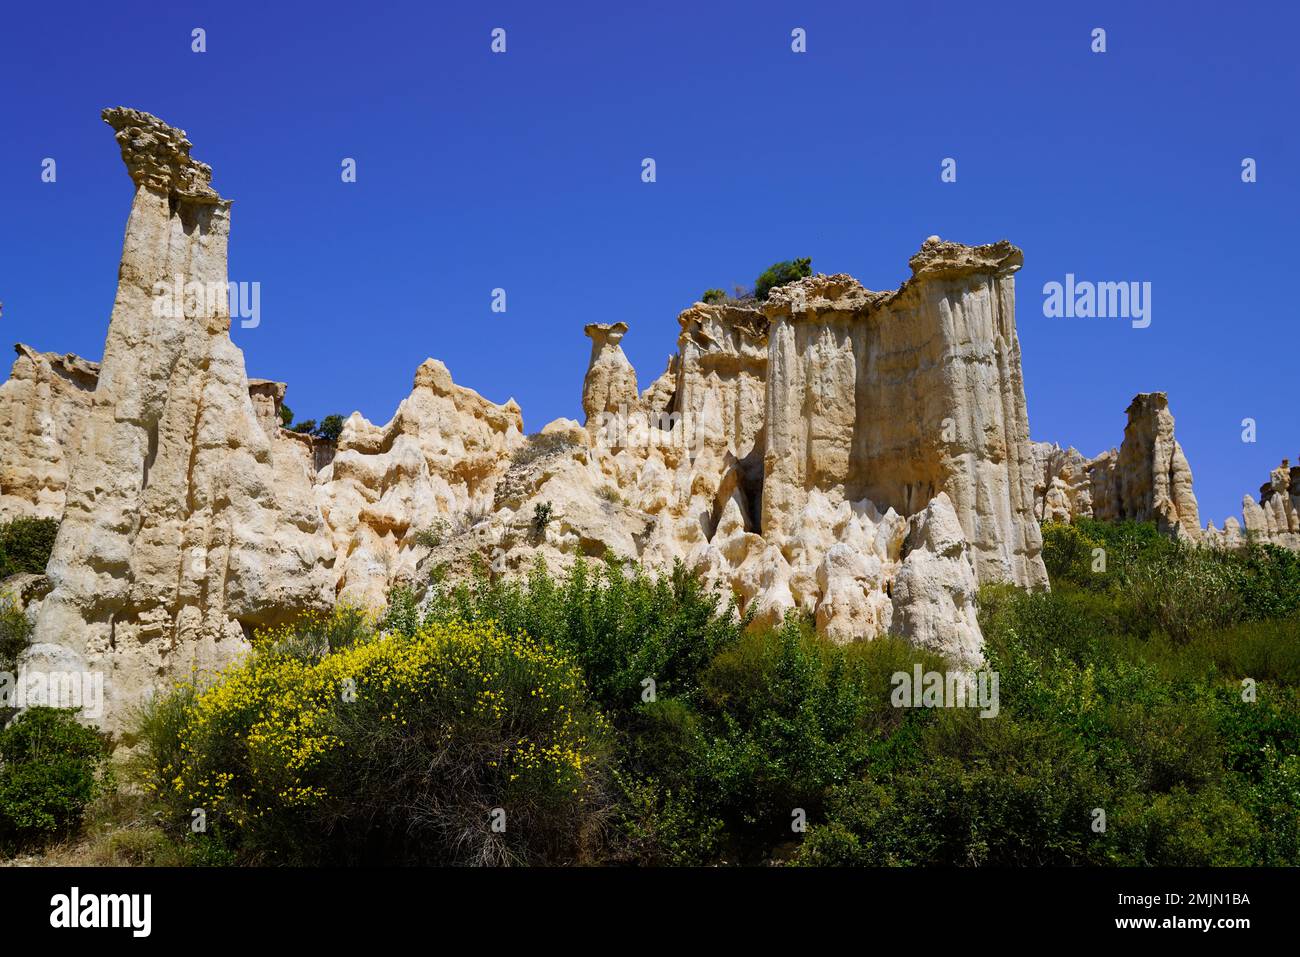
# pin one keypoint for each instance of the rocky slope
(1276, 517)
(862, 457)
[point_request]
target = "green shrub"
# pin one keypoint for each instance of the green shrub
(622, 626)
(790, 716)
(330, 428)
(1183, 828)
(1068, 554)
(432, 536)
(655, 825)
(1183, 594)
(50, 769)
(314, 635)
(1267, 581)
(712, 296)
(15, 634)
(25, 545)
(401, 750)
(541, 518)
(779, 274)
(968, 792)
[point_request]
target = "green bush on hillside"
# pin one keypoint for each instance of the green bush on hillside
(50, 770)
(25, 546)
(458, 744)
(1163, 691)
(622, 625)
(780, 274)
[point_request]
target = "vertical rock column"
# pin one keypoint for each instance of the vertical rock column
(185, 525)
(898, 396)
(609, 388)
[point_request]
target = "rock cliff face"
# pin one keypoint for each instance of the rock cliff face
(862, 457)
(185, 525)
(895, 397)
(1275, 519)
(1147, 479)
(43, 407)
(431, 470)
(808, 453)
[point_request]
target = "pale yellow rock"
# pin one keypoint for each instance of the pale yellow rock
(184, 527)
(43, 408)
(1147, 479)
(1062, 483)
(934, 592)
(898, 396)
(721, 376)
(609, 388)
(431, 469)
(1152, 480)
(1275, 518)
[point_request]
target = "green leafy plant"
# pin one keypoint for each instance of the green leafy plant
(50, 769)
(25, 545)
(330, 428)
(541, 518)
(458, 744)
(433, 535)
(780, 274)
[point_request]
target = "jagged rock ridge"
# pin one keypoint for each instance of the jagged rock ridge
(1147, 479)
(860, 456)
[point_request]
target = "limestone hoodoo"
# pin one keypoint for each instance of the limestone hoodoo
(185, 525)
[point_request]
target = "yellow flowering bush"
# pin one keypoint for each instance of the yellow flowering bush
(459, 743)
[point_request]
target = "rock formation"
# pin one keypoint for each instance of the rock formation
(1275, 520)
(861, 457)
(807, 453)
(185, 525)
(1147, 479)
(431, 469)
(610, 384)
(43, 407)
(897, 396)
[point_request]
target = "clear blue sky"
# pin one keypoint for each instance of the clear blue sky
(522, 171)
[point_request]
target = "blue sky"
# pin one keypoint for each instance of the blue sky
(522, 171)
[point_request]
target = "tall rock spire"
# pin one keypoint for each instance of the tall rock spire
(185, 525)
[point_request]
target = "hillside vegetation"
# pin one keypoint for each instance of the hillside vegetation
(1148, 714)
